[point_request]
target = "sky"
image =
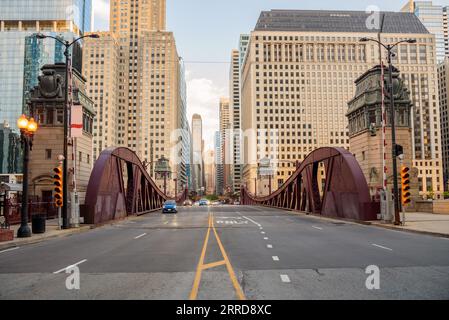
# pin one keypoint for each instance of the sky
(207, 30)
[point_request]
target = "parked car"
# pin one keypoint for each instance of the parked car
(237, 203)
(188, 203)
(170, 207)
(203, 202)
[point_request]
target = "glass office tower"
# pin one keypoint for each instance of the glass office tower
(22, 56)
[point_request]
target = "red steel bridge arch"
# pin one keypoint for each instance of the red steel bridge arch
(120, 186)
(345, 192)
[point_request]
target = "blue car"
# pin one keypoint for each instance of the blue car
(169, 207)
(203, 202)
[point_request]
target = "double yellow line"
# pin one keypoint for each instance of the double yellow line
(201, 266)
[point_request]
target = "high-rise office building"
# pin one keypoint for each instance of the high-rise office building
(197, 153)
(22, 54)
(209, 171)
(100, 65)
(226, 138)
(443, 86)
(435, 19)
(234, 102)
(218, 164)
(151, 104)
(299, 74)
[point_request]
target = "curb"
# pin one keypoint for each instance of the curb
(10, 245)
(369, 223)
(82, 229)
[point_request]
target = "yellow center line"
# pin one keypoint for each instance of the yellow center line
(201, 266)
(213, 264)
(196, 282)
(238, 289)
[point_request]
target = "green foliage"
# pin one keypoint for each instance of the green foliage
(212, 197)
(430, 195)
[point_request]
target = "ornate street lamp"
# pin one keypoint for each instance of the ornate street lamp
(28, 128)
(67, 45)
(389, 48)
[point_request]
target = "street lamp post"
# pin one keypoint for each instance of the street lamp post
(67, 45)
(27, 130)
(389, 48)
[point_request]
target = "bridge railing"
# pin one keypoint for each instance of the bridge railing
(344, 194)
(120, 186)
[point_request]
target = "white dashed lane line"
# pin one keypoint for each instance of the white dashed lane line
(275, 258)
(382, 247)
(285, 278)
(140, 236)
(71, 266)
(266, 238)
(262, 232)
(10, 249)
(318, 228)
(269, 246)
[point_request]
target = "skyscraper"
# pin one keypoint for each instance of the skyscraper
(435, 19)
(443, 86)
(22, 54)
(197, 153)
(234, 109)
(151, 88)
(218, 164)
(100, 61)
(226, 138)
(299, 74)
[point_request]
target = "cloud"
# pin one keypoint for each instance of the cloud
(101, 14)
(203, 97)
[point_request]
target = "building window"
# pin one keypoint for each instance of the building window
(47, 154)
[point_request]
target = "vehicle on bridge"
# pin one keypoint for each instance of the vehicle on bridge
(170, 207)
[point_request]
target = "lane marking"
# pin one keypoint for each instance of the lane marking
(269, 246)
(196, 282)
(285, 278)
(201, 266)
(140, 236)
(71, 266)
(382, 247)
(256, 223)
(318, 228)
(10, 249)
(262, 232)
(238, 289)
(266, 238)
(213, 264)
(275, 258)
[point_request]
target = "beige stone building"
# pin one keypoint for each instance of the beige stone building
(226, 145)
(209, 171)
(48, 142)
(100, 67)
(146, 106)
(299, 74)
(234, 110)
(443, 85)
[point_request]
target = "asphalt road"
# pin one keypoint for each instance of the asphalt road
(230, 252)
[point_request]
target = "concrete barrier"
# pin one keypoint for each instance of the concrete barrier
(435, 206)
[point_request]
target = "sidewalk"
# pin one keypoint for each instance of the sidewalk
(426, 223)
(52, 231)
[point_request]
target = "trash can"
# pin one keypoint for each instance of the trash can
(38, 223)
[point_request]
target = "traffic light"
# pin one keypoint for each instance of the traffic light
(405, 185)
(57, 181)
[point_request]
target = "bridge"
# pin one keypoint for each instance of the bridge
(345, 192)
(120, 186)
